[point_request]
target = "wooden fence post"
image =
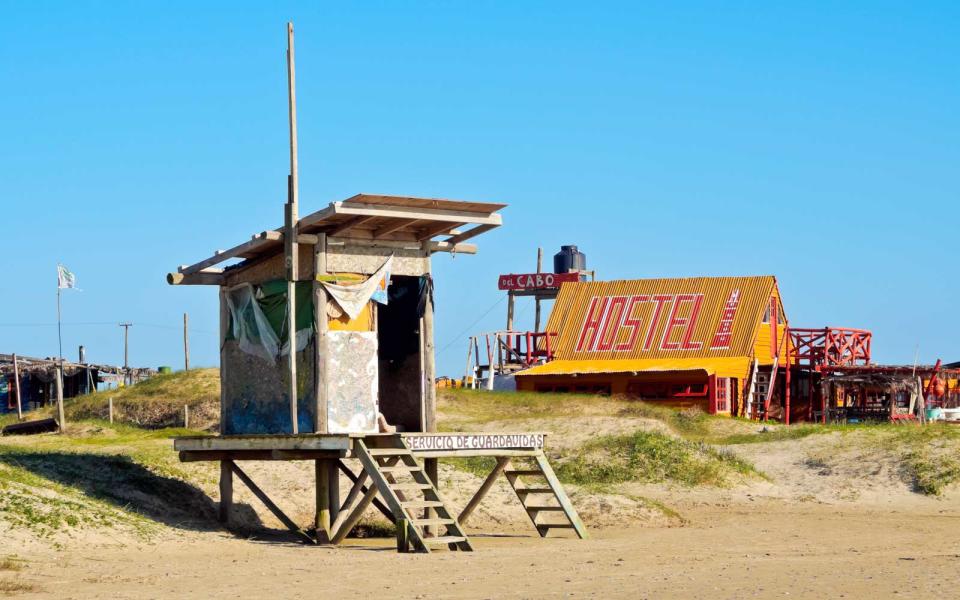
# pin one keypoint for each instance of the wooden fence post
(110, 409)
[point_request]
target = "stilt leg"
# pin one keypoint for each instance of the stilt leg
(226, 491)
(322, 519)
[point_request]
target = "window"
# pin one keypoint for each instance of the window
(766, 315)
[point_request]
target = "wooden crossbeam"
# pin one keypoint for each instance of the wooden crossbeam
(354, 222)
(466, 235)
(439, 229)
(262, 496)
(502, 465)
(409, 212)
(394, 227)
(376, 502)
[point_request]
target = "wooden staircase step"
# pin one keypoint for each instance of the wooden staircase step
(388, 451)
(544, 508)
(446, 539)
(527, 491)
(555, 526)
(432, 522)
(400, 469)
(422, 504)
(530, 473)
(410, 487)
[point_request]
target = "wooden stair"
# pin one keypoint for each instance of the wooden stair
(536, 497)
(403, 484)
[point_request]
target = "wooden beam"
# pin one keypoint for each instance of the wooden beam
(338, 443)
(393, 227)
(279, 514)
(466, 235)
(221, 256)
(226, 490)
(419, 214)
(355, 515)
(439, 229)
(354, 222)
(502, 464)
(380, 505)
(205, 277)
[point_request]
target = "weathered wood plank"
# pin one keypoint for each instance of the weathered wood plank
(502, 464)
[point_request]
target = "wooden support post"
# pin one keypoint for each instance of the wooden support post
(16, 388)
(224, 326)
(786, 399)
(226, 488)
(511, 305)
(322, 325)
(333, 487)
(466, 371)
(355, 490)
(291, 229)
(354, 517)
(321, 522)
(186, 342)
(484, 489)
(59, 384)
(536, 323)
(186, 417)
(403, 536)
(110, 409)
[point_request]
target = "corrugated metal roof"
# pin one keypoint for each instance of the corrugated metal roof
(701, 317)
(734, 366)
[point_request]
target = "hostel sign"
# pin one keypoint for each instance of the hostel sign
(653, 322)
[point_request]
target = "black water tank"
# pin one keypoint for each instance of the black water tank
(568, 260)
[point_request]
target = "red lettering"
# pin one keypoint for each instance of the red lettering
(694, 317)
(611, 325)
(652, 329)
(598, 307)
(722, 337)
(632, 323)
(674, 322)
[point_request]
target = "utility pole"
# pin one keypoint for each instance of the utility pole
(536, 325)
(126, 352)
(186, 343)
(16, 382)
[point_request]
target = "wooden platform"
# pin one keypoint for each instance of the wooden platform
(312, 446)
(398, 476)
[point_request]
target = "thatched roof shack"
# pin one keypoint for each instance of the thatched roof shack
(364, 315)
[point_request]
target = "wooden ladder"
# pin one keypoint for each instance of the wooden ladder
(402, 482)
(535, 495)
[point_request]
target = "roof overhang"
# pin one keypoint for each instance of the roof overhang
(729, 366)
(429, 224)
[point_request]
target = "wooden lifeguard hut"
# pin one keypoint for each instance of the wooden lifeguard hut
(327, 355)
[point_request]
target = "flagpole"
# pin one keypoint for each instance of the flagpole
(59, 329)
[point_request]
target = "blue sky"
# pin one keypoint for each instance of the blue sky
(818, 142)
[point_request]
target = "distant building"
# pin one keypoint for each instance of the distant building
(710, 342)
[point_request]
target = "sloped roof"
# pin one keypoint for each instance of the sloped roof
(432, 223)
(657, 319)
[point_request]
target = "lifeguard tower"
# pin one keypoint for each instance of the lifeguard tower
(327, 355)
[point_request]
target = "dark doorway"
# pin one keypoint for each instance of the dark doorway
(401, 373)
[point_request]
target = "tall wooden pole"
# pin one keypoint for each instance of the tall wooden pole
(59, 384)
(126, 352)
(186, 343)
(291, 218)
(16, 383)
(536, 325)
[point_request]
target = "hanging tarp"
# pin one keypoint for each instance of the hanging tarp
(352, 382)
(258, 318)
(353, 298)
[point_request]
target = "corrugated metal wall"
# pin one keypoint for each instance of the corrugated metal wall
(697, 306)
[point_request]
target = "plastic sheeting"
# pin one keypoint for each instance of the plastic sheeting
(353, 298)
(253, 329)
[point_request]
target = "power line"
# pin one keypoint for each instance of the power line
(459, 336)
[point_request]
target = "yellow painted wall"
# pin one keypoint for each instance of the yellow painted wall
(761, 345)
(363, 322)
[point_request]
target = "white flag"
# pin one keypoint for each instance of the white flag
(65, 279)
